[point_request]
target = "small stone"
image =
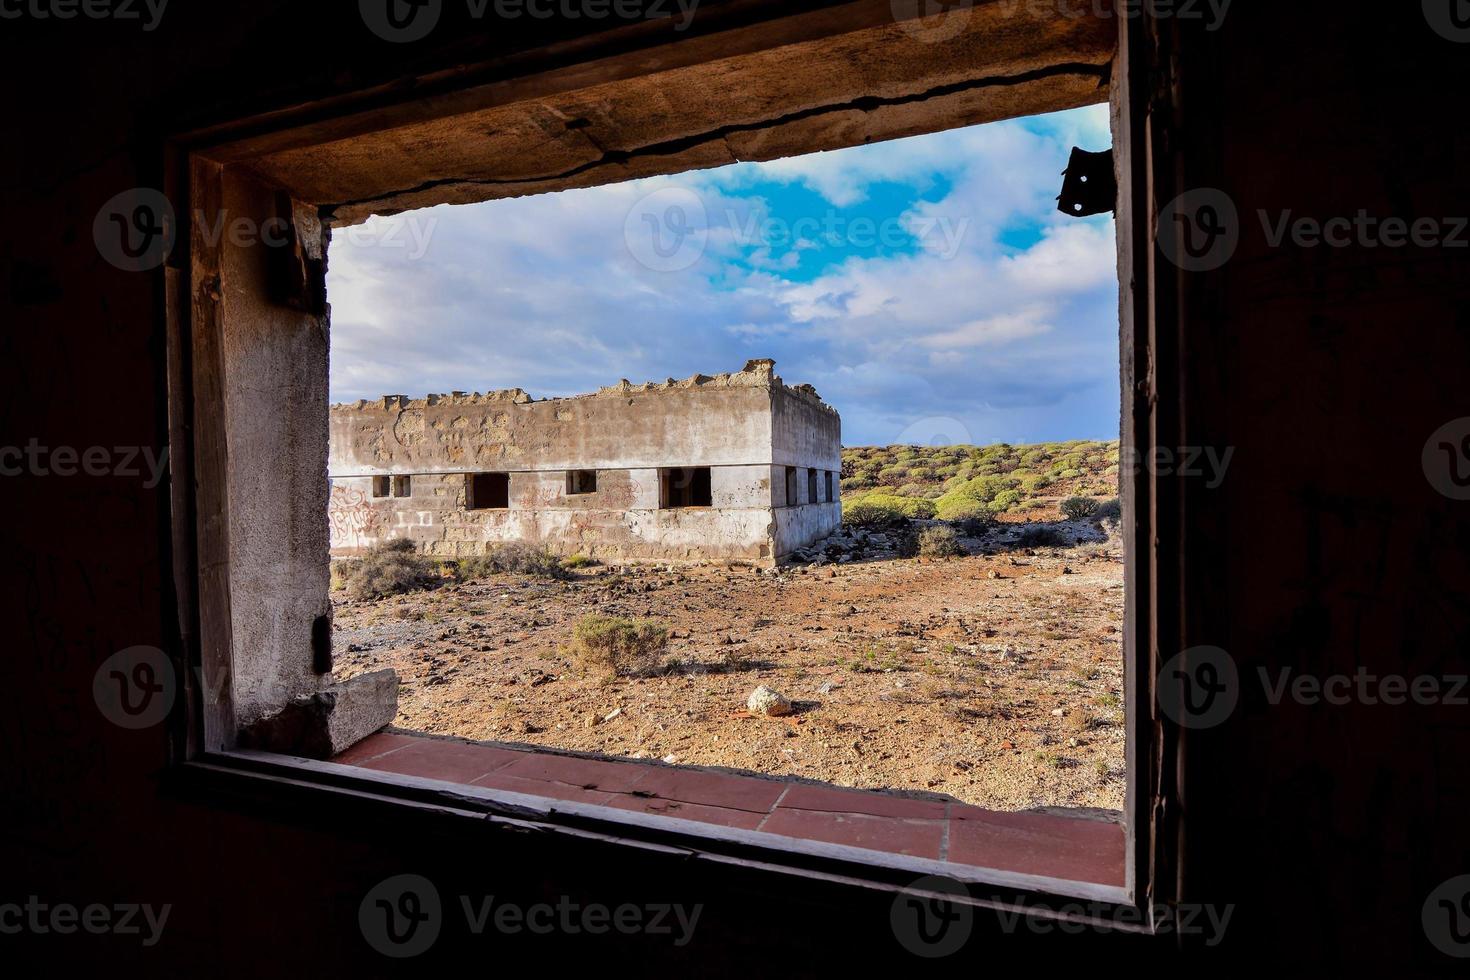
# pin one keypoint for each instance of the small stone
(1007, 745)
(614, 713)
(1058, 712)
(764, 701)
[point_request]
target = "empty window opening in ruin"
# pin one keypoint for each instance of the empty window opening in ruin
(487, 491)
(382, 486)
(811, 486)
(581, 482)
(685, 486)
(403, 486)
(791, 499)
(827, 486)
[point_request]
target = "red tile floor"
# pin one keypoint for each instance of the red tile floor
(1071, 848)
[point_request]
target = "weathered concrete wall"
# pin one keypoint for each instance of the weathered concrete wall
(805, 434)
(278, 582)
(797, 527)
(804, 430)
(622, 520)
(705, 421)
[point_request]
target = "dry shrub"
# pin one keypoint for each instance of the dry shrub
(1042, 536)
(615, 646)
(391, 568)
(1077, 508)
(514, 558)
(940, 542)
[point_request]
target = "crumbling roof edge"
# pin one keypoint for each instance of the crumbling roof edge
(756, 374)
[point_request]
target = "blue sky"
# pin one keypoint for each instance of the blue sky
(927, 287)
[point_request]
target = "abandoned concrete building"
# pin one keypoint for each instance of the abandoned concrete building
(735, 466)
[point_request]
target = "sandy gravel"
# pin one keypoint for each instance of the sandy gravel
(994, 679)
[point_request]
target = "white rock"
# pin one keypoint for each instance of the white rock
(764, 701)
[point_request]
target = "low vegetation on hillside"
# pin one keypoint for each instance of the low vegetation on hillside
(977, 483)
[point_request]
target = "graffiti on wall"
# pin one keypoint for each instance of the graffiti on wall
(353, 518)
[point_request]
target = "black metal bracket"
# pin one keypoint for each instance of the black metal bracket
(1089, 185)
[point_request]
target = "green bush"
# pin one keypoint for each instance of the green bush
(1034, 483)
(865, 514)
(910, 507)
(1005, 500)
(962, 500)
(1077, 508)
(615, 646)
(939, 542)
(391, 568)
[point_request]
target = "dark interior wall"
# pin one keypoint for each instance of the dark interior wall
(1326, 548)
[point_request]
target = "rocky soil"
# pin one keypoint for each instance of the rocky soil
(995, 678)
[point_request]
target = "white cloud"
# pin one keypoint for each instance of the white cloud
(992, 330)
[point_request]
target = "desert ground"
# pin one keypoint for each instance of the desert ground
(993, 678)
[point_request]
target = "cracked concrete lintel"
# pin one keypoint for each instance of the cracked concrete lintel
(330, 721)
(352, 211)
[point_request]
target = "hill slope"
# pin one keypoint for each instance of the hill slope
(952, 482)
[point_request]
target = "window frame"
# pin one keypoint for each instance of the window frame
(1150, 351)
(573, 477)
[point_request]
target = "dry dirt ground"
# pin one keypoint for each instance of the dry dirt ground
(995, 679)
